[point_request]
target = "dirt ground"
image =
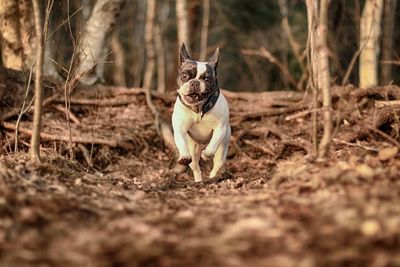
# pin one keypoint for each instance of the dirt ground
(271, 205)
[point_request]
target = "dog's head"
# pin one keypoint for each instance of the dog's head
(197, 80)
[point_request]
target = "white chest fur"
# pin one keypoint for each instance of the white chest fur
(200, 129)
(211, 131)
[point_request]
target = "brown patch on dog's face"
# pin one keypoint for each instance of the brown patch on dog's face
(187, 71)
(210, 79)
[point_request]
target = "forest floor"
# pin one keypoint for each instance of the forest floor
(271, 205)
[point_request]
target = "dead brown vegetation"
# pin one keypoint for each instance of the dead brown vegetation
(120, 203)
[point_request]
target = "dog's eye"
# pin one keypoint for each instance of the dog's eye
(185, 77)
(207, 80)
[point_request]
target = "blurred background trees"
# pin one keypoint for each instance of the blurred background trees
(279, 27)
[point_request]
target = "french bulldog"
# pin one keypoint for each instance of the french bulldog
(200, 118)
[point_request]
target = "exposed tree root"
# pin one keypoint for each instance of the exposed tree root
(259, 147)
(383, 116)
(380, 104)
(385, 92)
(368, 148)
(86, 155)
(97, 102)
(71, 115)
(265, 96)
(266, 112)
(65, 138)
(301, 143)
(262, 133)
(15, 112)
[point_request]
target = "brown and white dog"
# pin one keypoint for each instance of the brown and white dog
(201, 115)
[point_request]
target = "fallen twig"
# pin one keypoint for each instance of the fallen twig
(301, 143)
(59, 137)
(386, 136)
(261, 148)
(167, 98)
(14, 113)
(384, 115)
(86, 155)
(382, 91)
(380, 104)
(268, 112)
(302, 114)
(355, 145)
(97, 102)
(71, 115)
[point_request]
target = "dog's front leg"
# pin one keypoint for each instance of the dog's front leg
(216, 140)
(180, 131)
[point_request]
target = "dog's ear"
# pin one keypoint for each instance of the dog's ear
(183, 55)
(213, 60)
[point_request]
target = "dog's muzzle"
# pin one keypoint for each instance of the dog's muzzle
(200, 106)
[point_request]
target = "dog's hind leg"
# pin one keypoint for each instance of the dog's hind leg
(220, 155)
(219, 160)
(195, 152)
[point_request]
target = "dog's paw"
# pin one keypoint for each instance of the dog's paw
(185, 160)
(205, 155)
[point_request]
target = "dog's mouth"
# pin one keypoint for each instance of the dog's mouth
(193, 98)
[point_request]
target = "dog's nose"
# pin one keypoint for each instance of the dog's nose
(194, 84)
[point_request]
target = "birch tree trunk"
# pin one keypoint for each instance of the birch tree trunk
(161, 66)
(95, 38)
(27, 32)
(370, 29)
(204, 30)
(182, 22)
(159, 29)
(389, 13)
(138, 49)
(149, 40)
(119, 61)
(288, 31)
(19, 37)
(11, 47)
(28, 40)
(317, 15)
(37, 117)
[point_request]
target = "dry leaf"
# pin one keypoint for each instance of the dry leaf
(388, 153)
(365, 171)
(370, 227)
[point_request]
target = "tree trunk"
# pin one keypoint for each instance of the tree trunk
(163, 126)
(204, 30)
(317, 15)
(11, 47)
(19, 37)
(119, 61)
(95, 38)
(27, 32)
(370, 30)
(138, 49)
(149, 40)
(159, 41)
(161, 66)
(28, 40)
(182, 22)
(37, 117)
(389, 13)
(287, 29)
